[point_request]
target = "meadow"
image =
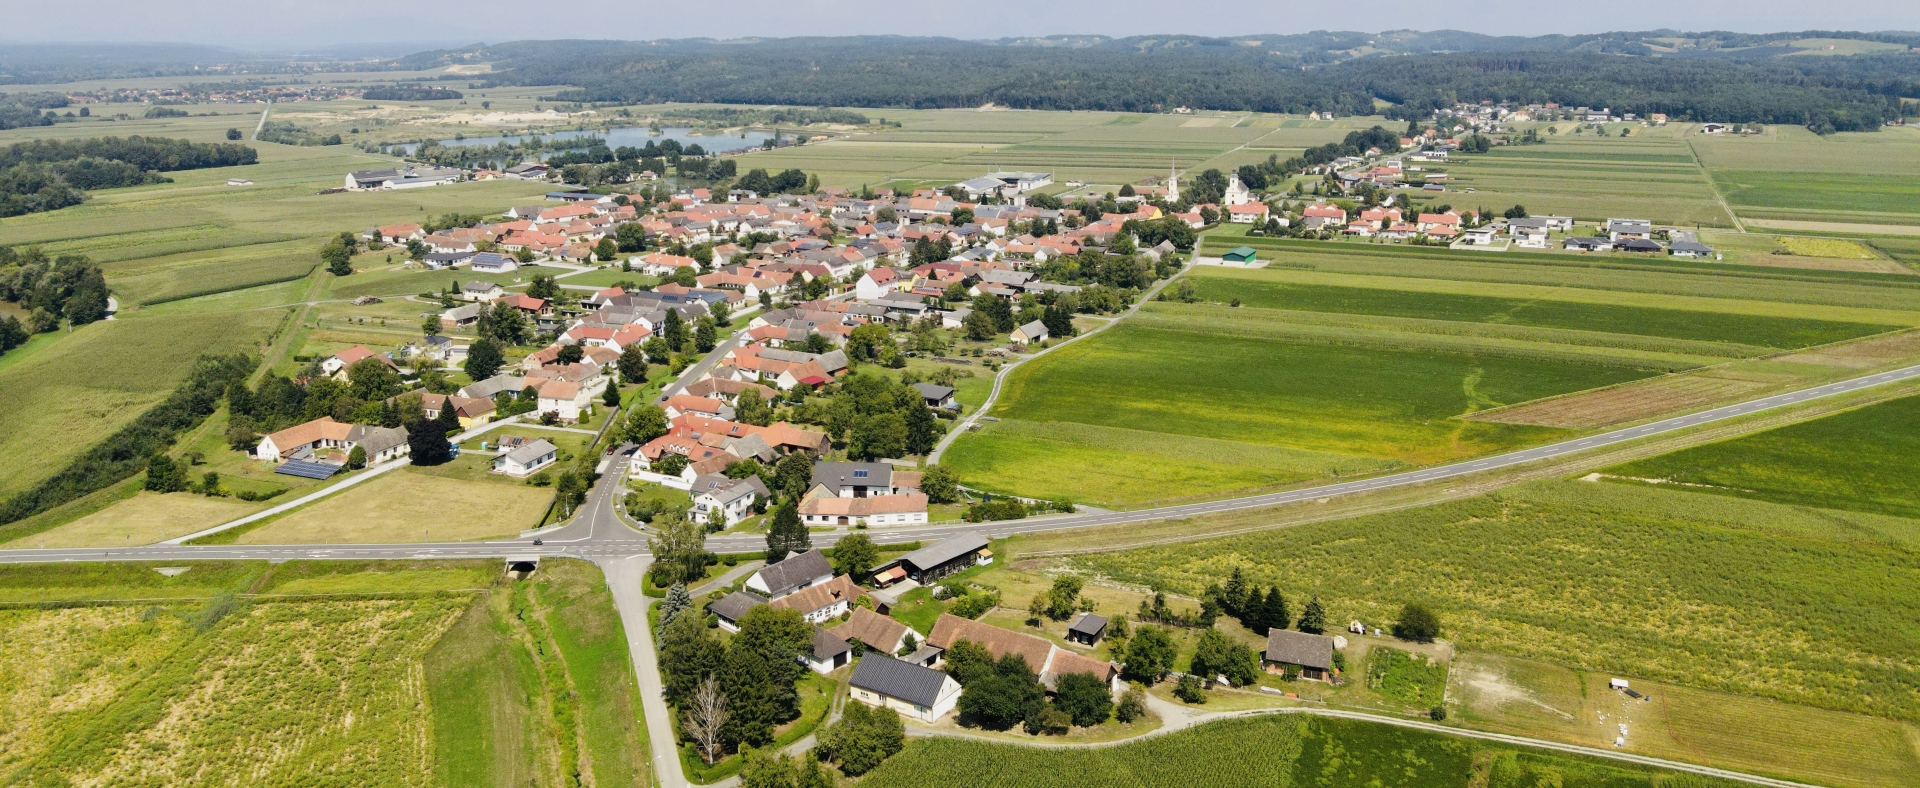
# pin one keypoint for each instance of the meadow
(1269, 750)
(1650, 175)
(1746, 597)
(1861, 460)
(410, 505)
(1790, 173)
(1325, 407)
(375, 683)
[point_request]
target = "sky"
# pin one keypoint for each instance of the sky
(279, 24)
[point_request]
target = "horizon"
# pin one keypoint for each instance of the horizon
(276, 28)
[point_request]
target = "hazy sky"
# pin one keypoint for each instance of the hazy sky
(254, 24)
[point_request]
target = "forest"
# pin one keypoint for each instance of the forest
(1825, 94)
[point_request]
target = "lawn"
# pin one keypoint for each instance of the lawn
(143, 519)
(1770, 332)
(1266, 751)
(408, 505)
(1741, 596)
(1319, 408)
(1861, 460)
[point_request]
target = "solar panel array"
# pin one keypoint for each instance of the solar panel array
(307, 469)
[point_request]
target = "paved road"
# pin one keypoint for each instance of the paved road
(603, 539)
(624, 576)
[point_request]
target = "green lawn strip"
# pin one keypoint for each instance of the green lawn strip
(594, 645)
(1861, 460)
(1662, 584)
(479, 684)
(105, 582)
(1751, 330)
(918, 609)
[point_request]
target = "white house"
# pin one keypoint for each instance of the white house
(1031, 333)
(797, 571)
(916, 691)
(493, 263)
(821, 603)
(299, 441)
(734, 498)
(565, 399)
(821, 509)
(876, 283)
(480, 291)
(526, 459)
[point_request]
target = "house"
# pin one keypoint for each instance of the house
(493, 263)
(818, 603)
(1585, 244)
(526, 459)
(1249, 213)
(705, 406)
(733, 498)
(821, 509)
(1620, 229)
(1004, 183)
(1637, 245)
(876, 283)
(300, 441)
(937, 396)
(928, 564)
(828, 653)
(915, 691)
(480, 291)
(732, 607)
(1047, 661)
(797, 571)
(1311, 654)
(337, 364)
(861, 479)
(1087, 629)
(880, 633)
(565, 399)
(460, 316)
(1239, 254)
(1687, 244)
(1031, 333)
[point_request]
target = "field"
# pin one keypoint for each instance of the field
(372, 687)
(79, 389)
(1651, 175)
(1409, 678)
(409, 505)
(1792, 174)
(1862, 460)
(142, 519)
(1719, 593)
(1273, 750)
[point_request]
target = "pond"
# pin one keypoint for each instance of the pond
(630, 136)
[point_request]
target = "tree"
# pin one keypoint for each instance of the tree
(543, 286)
(878, 435)
(1219, 655)
(372, 379)
(721, 313)
(760, 670)
(570, 354)
(679, 548)
(1191, 689)
(1234, 597)
(633, 364)
(870, 342)
(940, 484)
(338, 254)
(968, 661)
(606, 250)
(1150, 654)
(1516, 212)
(630, 237)
(232, 134)
(1417, 623)
(427, 443)
(855, 556)
(978, 326)
(704, 335)
(1313, 620)
(862, 738)
(1004, 698)
(793, 473)
(676, 602)
(645, 422)
(1273, 610)
(750, 408)
(1058, 320)
(1063, 598)
(484, 358)
(689, 653)
(1132, 706)
(786, 534)
(164, 475)
(658, 352)
(610, 396)
(674, 329)
(1084, 697)
(706, 717)
(998, 310)
(357, 458)
(923, 432)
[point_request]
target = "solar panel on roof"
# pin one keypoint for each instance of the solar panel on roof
(308, 470)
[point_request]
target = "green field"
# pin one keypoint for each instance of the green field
(1233, 411)
(345, 673)
(1266, 751)
(1791, 173)
(1748, 597)
(1862, 460)
(1650, 175)
(1757, 330)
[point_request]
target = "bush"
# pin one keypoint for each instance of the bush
(1417, 623)
(1191, 689)
(1132, 706)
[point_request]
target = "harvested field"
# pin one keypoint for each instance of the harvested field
(1630, 402)
(143, 519)
(405, 506)
(1865, 353)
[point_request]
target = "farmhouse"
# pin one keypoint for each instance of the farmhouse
(1047, 661)
(820, 509)
(928, 564)
(1311, 654)
(480, 291)
(921, 693)
(299, 441)
(818, 603)
(797, 571)
(862, 479)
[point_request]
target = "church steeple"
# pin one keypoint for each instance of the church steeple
(1173, 183)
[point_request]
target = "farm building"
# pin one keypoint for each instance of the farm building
(730, 608)
(1312, 654)
(936, 560)
(1239, 254)
(1087, 629)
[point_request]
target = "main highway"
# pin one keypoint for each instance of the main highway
(598, 531)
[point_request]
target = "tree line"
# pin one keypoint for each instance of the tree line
(46, 175)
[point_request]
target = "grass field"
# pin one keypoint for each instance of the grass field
(93, 381)
(292, 690)
(1267, 751)
(1791, 173)
(143, 519)
(1862, 460)
(1741, 596)
(409, 506)
(1590, 179)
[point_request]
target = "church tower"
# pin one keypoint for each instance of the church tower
(1173, 183)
